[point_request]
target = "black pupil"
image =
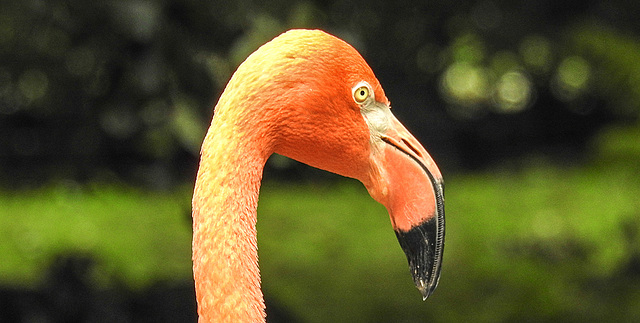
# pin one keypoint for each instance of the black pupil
(362, 92)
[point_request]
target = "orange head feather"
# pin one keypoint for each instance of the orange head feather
(299, 87)
(312, 97)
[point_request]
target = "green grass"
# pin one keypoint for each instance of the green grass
(543, 243)
(136, 237)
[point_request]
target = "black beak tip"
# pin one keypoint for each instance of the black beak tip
(426, 289)
(423, 245)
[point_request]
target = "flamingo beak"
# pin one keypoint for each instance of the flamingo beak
(412, 189)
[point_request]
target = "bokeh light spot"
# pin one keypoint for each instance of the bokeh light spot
(468, 48)
(571, 78)
(504, 61)
(465, 84)
(513, 92)
(536, 52)
(119, 122)
(33, 85)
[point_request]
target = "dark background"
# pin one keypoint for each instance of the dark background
(122, 91)
(126, 88)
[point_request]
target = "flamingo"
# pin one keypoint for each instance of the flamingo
(310, 96)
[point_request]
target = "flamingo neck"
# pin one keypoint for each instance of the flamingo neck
(225, 257)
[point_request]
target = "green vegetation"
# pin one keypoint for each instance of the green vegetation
(540, 243)
(136, 237)
(545, 243)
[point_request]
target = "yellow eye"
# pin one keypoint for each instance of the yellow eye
(361, 94)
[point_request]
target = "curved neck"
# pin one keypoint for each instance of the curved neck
(225, 257)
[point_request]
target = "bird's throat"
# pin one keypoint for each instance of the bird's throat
(225, 258)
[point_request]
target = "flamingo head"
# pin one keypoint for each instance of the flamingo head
(323, 106)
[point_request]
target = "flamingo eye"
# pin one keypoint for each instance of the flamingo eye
(360, 94)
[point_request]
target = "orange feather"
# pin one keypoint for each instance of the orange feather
(292, 96)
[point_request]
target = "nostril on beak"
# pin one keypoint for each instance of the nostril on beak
(416, 151)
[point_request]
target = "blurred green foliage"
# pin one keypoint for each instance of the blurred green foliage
(137, 237)
(125, 89)
(546, 243)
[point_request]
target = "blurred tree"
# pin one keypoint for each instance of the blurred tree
(125, 89)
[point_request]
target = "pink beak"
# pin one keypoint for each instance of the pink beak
(413, 193)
